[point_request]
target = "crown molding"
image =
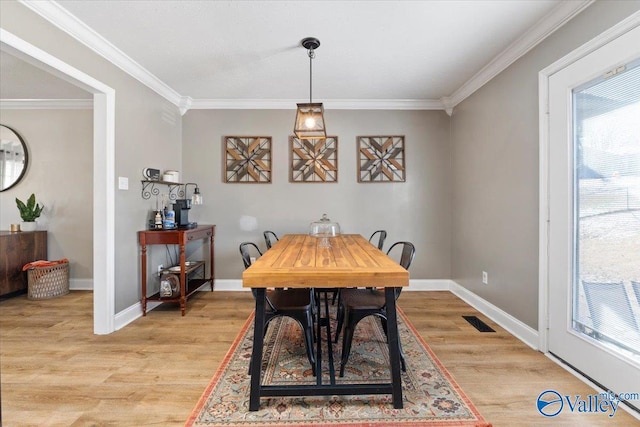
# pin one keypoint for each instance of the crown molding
(332, 104)
(384, 104)
(63, 19)
(46, 104)
(68, 23)
(555, 19)
(185, 104)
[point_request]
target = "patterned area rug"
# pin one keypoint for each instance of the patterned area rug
(430, 394)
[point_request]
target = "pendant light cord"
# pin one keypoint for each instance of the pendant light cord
(311, 56)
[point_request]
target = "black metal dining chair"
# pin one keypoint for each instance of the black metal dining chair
(356, 304)
(270, 238)
(294, 303)
(381, 236)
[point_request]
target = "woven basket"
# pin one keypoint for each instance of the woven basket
(48, 282)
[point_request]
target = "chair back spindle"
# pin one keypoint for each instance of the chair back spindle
(381, 236)
(245, 250)
(270, 238)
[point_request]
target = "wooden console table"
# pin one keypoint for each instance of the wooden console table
(176, 237)
(16, 250)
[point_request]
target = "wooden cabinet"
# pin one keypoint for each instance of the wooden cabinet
(16, 250)
(188, 283)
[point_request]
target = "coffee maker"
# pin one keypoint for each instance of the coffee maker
(182, 207)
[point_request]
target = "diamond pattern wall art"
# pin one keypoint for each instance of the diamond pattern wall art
(247, 159)
(314, 160)
(381, 159)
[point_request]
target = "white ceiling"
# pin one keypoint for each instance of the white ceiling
(243, 51)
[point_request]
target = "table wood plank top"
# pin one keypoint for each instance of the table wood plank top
(300, 260)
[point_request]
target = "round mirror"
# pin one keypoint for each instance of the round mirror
(13, 158)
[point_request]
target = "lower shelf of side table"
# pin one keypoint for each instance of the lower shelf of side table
(192, 286)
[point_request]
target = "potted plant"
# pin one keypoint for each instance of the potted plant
(29, 212)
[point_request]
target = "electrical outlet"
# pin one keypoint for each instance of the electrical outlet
(485, 278)
(253, 259)
(160, 268)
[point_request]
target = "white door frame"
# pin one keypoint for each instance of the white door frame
(543, 113)
(103, 172)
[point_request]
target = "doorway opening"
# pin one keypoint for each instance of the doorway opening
(103, 172)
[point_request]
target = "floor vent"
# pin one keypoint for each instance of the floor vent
(478, 324)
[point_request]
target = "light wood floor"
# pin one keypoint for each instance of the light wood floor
(56, 372)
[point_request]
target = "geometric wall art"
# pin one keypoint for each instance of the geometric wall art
(381, 159)
(247, 159)
(313, 160)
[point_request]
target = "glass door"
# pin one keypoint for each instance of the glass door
(606, 210)
(594, 215)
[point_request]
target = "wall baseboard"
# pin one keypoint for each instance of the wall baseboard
(81, 284)
(428, 285)
(131, 313)
(515, 327)
(226, 285)
(128, 315)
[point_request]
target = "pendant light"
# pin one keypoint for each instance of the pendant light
(310, 117)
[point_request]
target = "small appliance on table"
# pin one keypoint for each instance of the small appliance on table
(182, 207)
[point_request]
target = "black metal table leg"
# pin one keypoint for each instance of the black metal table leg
(394, 347)
(256, 354)
(332, 371)
(318, 338)
(257, 390)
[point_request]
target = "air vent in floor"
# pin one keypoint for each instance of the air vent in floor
(478, 324)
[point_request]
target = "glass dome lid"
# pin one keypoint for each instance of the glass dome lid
(324, 227)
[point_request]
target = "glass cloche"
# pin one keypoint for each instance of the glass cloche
(324, 228)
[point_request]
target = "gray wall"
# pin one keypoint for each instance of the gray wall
(148, 132)
(60, 146)
(495, 175)
(417, 210)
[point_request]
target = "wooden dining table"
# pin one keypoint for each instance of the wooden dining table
(345, 261)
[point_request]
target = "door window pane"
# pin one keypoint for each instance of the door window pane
(606, 288)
